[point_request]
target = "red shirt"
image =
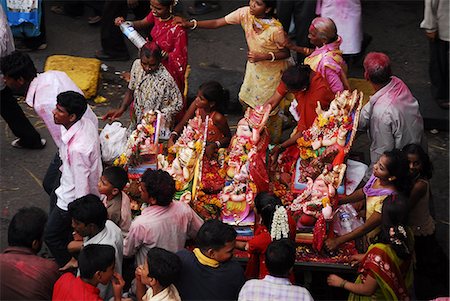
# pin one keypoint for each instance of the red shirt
(318, 90)
(68, 287)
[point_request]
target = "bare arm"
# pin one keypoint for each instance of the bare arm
(418, 191)
(241, 245)
(207, 24)
(138, 24)
(367, 288)
(186, 117)
(356, 196)
(274, 100)
(116, 113)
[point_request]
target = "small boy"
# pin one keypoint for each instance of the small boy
(159, 272)
(280, 259)
(96, 264)
(208, 273)
(117, 202)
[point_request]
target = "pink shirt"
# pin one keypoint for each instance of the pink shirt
(164, 227)
(42, 93)
(81, 162)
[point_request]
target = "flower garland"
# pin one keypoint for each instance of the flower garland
(280, 226)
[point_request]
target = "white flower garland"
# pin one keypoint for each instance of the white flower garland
(280, 227)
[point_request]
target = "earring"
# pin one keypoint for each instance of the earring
(170, 9)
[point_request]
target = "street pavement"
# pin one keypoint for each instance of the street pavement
(221, 55)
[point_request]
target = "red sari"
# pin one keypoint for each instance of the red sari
(172, 39)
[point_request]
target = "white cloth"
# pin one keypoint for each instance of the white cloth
(436, 17)
(6, 41)
(170, 293)
(42, 93)
(81, 162)
(346, 14)
(392, 118)
(111, 236)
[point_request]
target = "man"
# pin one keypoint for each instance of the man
(164, 223)
(280, 259)
(90, 221)
(23, 274)
(12, 113)
(80, 171)
(392, 115)
(40, 92)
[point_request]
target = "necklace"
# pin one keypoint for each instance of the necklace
(166, 19)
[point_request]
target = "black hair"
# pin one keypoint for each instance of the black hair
(266, 204)
(117, 176)
(394, 217)
(94, 258)
(377, 65)
(397, 166)
(73, 102)
(159, 185)
(151, 49)
(273, 5)
(89, 210)
(214, 234)
(27, 225)
(163, 265)
(296, 78)
(18, 64)
(214, 92)
(166, 3)
(280, 257)
(427, 166)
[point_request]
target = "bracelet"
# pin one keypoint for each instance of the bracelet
(174, 133)
(343, 283)
(195, 24)
(218, 144)
(272, 55)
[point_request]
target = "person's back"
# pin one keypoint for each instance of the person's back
(209, 273)
(23, 274)
(280, 259)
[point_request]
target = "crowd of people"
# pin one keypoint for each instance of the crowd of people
(89, 230)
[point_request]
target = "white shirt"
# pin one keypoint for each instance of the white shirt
(81, 162)
(42, 93)
(111, 235)
(436, 18)
(6, 41)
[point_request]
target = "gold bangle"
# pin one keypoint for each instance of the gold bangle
(195, 24)
(272, 55)
(343, 283)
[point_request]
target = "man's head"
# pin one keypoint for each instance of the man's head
(157, 187)
(377, 68)
(216, 240)
(96, 263)
(296, 78)
(280, 257)
(162, 267)
(151, 56)
(18, 70)
(70, 107)
(112, 181)
(88, 214)
(26, 228)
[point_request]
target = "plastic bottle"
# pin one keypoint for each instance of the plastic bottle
(346, 225)
(129, 31)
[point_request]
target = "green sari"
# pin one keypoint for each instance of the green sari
(393, 275)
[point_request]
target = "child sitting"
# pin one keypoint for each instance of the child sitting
(159, 272)
(266, 207)
(117, 202)
(209, 102)
(96, 264)
(280, 259)
(208, 273)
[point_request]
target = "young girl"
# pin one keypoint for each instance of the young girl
(431, 277)
(266, 57)
(390, 176)
(385, 271)
(272, 222)
(210, 99)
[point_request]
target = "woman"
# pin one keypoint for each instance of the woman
(327, 57)
(171, 38)
(151, 87)
(385, 271)
(390, 176)
(266, 57)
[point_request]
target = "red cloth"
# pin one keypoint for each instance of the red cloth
(257, 164)
(68, 287)
(25, 276)
(172, 39)
(307, 100)
(257, 246)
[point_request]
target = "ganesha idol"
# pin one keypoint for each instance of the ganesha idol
(245, 167)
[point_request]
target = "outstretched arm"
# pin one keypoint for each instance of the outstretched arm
(367, 288)
(208, 24)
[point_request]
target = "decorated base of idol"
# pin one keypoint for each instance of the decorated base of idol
(308, 179)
